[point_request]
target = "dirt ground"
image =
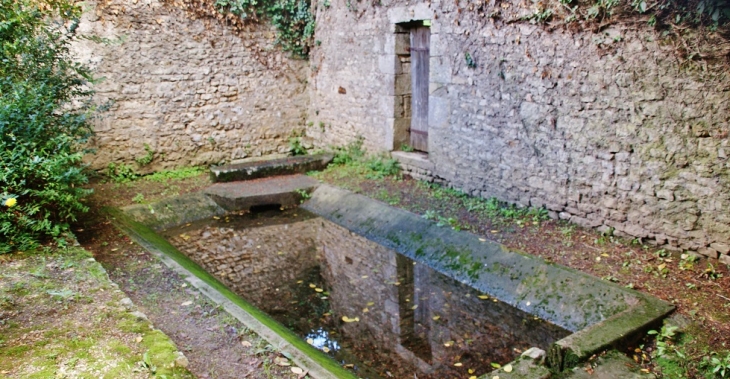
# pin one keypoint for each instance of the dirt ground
(213, 341)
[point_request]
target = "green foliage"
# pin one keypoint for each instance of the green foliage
(147, 158)
(296, 147)
(407, 148)
(121, 173)
(381, 166)
(718, 366)
(469, 60)
(293, 20)
(176, 174)
(352, 152)
(44, 117)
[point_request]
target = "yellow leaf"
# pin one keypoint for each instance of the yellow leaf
(457, 364)
(483, 239)
(495, 231)
(508, 368)
(326, 349)
(347, 319)
(138, 339)
(605, 255)
(495, 300)
(397, 283)
(349, 365)
(310, 341)
(436, 318)
(662, 266)
(364, 276)
(449, 343)
(414, 307)
(365, 310)
(280, 253)
(300, 281)
(318, 290)
(370, 304)
(312, 285)
(471, 370)
(483, 297)
(473, 377)
(495, 377)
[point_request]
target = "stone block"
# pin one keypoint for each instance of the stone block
(708, 252)
(725, 259)
(722, 248)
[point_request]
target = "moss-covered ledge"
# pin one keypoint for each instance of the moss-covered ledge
(601, 313)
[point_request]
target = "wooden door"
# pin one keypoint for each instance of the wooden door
(420, 42)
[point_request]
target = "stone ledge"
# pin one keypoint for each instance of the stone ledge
(413, 159)
(286, 191)
(265, 168)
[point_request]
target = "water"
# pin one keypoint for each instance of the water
(377, 312)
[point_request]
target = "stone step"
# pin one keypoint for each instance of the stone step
(284, 191)
(261, 169)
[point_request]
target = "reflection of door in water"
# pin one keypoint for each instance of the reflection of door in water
(420, 41)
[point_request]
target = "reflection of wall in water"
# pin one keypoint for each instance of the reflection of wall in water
(408, 296)
(248, 261)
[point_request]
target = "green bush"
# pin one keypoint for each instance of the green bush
(44, 117)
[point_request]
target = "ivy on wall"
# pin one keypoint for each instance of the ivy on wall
(293, 20)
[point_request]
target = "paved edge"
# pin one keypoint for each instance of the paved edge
(600, 313)
(292, 346)
(174, 211)
(287, 191)
(259, 169)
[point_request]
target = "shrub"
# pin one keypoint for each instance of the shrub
(44, 117)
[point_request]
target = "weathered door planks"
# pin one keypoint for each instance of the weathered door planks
(420, 42)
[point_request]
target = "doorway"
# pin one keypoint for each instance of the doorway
(411, 85)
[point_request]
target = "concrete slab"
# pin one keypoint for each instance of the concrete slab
(612, 366)
(266, 168)
(175, 211)
(286, 191)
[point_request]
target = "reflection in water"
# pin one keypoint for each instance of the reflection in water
(377, 312)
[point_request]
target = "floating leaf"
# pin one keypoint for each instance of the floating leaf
(312, 285)
(310, 341)
(326, 349)
(496, 365)
(508, 368)
(318, 290)
(436, 318)
(458, 364)
(483, 297)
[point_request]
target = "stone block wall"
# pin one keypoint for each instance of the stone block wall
(608, 130)
(192, 90)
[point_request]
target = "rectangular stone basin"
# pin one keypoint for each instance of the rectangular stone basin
(372, 291)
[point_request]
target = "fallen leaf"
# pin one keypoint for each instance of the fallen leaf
(495, 231)
(312, 285)
(414, 307)
(528, 303)
(483, 297)
(281, 361)
(458, 364)
(370, 304)
(449, 343)
(436, 318)
(364, 276)
(473, 377)
(185, 304)
(318, 290)
(508, 368)
(496, 365)
(326, 349)
(138, 339)
(662, 266)
(297, 370)
(300, 281)
(483, 239)
(471, 370)
(349, 365)
(310, 341)
(365, 310)
(347, 319)
(604, 255)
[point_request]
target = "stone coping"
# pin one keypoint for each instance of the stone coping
(600, 313)
(266, 168)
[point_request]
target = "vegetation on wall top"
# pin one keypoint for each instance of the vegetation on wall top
(701, 27)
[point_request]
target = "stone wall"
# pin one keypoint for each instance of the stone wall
(608, 130)
(191, 90)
